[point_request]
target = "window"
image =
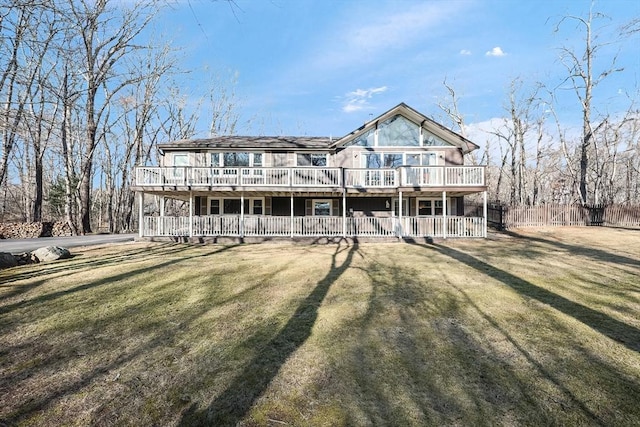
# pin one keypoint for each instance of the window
(428, 207)
(215, 160)
(318, 160)
(413, 160)
(430, 140)
(372, 161)
(256, 209)
(236, 159)
(396, 207)
(257, 160)
(180, 160)
(429, 159)
(398, 132)
(392, 160)
(232, 206)
(367, 139)
(322, 208)
(214, 207)
(425, 207)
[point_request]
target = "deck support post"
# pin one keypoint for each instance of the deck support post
(190, 214)
(484, 214)
(140, 214)
(444, 214)
(400, 213)
(161, 219)
(242, 214)
(344, 214)
(291, 221)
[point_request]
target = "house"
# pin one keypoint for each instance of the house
(399, 175)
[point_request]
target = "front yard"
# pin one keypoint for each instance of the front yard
(538, 328)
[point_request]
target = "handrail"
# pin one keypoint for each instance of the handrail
(419, 176)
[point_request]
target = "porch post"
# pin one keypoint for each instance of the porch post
(444, 214)
(484, 213)
(291, 221)
(242, 214)
(400, 231)
(190, 213)
(161, 219)
(344, 213)
(140, 214)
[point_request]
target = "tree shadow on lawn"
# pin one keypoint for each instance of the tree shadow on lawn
(234, 403)
(427, 368)
(597, 254)
(627, 335)
(158, 337)
(107, 280)
(80, 262)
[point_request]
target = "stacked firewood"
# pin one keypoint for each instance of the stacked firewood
(21, 230)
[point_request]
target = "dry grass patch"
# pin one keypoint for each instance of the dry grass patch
(535, 327)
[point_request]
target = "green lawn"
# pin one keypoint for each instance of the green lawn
(537, 328)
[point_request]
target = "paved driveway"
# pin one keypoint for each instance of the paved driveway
(16, 246)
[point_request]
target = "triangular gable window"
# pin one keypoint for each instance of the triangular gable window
(398, 132)
(430, 140)
(366, 139)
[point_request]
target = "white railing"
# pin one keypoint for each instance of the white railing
(361, 178)
(317, 226)
(418, 176)
(464, 175)
(423, 176)
(372, 226)
(312, 226)
(316, 177)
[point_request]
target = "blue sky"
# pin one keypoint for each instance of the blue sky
(325, 67)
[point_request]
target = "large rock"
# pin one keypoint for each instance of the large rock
(51, 253)
(7, 260)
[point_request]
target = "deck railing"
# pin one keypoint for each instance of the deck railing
(422, 176)
(312, 226)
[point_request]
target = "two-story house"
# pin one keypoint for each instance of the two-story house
(399, 175)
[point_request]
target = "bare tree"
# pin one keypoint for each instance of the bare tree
(102, 37)
(583, 81)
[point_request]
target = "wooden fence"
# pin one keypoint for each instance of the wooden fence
(504, 217)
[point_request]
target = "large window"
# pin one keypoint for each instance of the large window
(394, 160)
(398, 132)
(319, 160)
(236, 159)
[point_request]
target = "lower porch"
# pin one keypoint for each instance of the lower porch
(312, 226)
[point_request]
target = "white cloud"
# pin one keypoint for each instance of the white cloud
(496, 51)
(377, 33)
(465, 52)
(359, 98)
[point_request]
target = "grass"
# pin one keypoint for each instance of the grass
(538, 327)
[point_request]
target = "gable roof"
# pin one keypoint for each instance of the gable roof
(277, 143)
(419, 119)
(251, 142)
